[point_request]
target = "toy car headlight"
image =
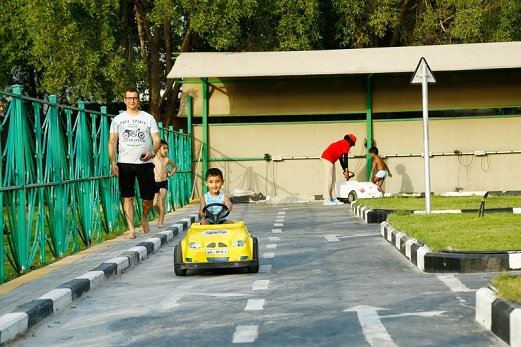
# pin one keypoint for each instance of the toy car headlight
(194, 245)
(239, 243)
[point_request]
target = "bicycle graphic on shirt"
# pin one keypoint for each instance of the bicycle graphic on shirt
(131, 134)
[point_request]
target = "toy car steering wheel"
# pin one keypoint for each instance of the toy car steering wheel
(351, 175)
(216, 217)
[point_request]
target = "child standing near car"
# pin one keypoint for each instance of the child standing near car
(214, 181)
(161, 175)
(380, 169)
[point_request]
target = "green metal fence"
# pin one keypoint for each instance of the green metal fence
(57, 193)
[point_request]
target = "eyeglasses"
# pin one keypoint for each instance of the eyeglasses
(135, 98)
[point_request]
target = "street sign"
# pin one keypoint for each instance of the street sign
(417, 77)
(423, 75)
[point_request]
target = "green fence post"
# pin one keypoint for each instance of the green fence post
(56, 165)
(16, 156)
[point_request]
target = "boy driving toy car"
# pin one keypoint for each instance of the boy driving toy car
(214, 181)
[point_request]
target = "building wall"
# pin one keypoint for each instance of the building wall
(347, 94)
(401, 142)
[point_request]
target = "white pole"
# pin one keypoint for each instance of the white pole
(426, 152)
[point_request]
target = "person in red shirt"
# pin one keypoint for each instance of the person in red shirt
(335, 151)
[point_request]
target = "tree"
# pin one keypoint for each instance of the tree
(92, 50)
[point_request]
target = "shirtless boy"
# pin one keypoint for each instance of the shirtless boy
(161, 174)
(380, 169)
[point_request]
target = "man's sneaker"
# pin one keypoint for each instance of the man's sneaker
(337, 202)
(329, 202)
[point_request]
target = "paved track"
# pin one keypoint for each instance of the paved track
(327, 279)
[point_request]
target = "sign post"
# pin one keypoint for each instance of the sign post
(423, 75)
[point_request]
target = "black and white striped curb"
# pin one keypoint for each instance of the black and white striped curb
(501, 317)
(455, 262)
(27, 315)
(369, 215)
(379, 216)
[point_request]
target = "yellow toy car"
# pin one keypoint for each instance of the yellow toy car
(216, 246)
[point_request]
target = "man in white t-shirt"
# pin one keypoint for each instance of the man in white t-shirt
(135, 135)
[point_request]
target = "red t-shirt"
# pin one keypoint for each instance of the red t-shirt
(336, 150)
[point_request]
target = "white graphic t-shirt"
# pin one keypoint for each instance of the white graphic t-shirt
(133, 135)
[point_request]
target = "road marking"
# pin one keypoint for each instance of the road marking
(255, 305)
(260, 285)
(171, 301)
(419, 314)
(221, 295)
(265, 268)
(279, 220)
(268, 255)
(375, 333)
(278, 225)
(372, 327)
(335, 238)
(245, 333)
(271, 246)
(276, 231)
(454, 283)
(282, 212)
(274, 238)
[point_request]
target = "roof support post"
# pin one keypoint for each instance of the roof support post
(189, 113)
(204, 144)
(369, 122)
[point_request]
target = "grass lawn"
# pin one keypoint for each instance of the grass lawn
(462, 232)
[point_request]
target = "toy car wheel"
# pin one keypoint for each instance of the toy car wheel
(178, 259)
(255, 268)
(351, 196)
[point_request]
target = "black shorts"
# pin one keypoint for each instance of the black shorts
(162, 184)
(145, 179)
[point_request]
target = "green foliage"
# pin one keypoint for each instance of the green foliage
(462, 232)
(508, 287)
(441, 202)
(92, 50)
(298, 25)
(362, 23)
(218, 22)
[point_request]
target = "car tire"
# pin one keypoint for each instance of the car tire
(178, 259)
(351, 196)
(255, 268)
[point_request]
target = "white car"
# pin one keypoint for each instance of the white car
(352, 190)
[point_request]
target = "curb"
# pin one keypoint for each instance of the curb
(501, 317)
(455, 262)
(379, 216)
(25, 316)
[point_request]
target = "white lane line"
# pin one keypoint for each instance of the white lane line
(454, 283)
(245, 334)
(255, 305)
(281, 220)
(271, 246)
(276, 231)
(282, 212)
(265, 268)
(335, 238)
(171, 301)
(374, 331)
(260, 285)
(278, 225)
(274, 238)
(268, 255)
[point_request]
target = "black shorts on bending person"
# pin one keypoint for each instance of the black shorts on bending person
(145, 179)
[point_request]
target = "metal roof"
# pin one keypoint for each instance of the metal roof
(476, 56)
